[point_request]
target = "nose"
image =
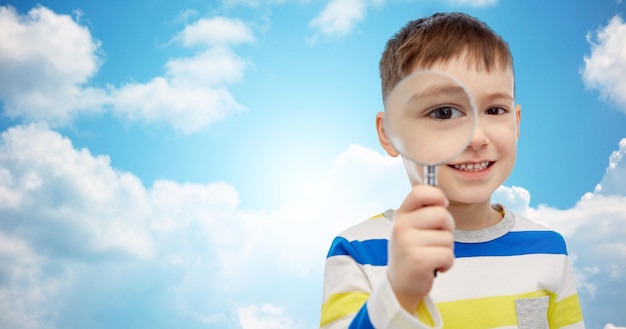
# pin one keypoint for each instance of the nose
(479, 138)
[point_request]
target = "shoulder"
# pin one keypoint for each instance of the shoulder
(365, 242)
(375, 227)
(524, 224)
(533, 233)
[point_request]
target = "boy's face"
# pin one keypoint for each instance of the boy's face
(486, 163)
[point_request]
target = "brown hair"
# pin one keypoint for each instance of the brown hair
(439, 38)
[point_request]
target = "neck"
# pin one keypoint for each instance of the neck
(474, 216)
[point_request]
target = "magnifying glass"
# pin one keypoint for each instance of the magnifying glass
(430, 118)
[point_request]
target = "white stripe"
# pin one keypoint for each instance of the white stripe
(490, 276)
(524, 224)
(344, 277)
(477, 277)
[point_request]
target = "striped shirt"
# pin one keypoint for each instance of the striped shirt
(516, 274)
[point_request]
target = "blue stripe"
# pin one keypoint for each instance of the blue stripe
(368, 252)
(361, 320)
(374, 252)
(514, 244)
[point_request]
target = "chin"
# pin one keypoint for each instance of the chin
(468, 201)
(469, 195)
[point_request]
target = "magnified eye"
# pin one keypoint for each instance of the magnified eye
(445, 113)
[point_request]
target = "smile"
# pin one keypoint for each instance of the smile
(472, 166)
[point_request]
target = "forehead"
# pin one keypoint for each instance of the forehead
(479, 82)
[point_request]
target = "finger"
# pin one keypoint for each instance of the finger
(430, 259)
(415, 238)
(445, 261)
(440, 259)
(426, 218)
(434, 238)
(421, 196)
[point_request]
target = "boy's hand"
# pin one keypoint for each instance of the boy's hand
(421, 243)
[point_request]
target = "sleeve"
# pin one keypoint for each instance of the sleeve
(566, 312)
(357, 293)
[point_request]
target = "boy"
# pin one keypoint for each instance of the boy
(508, 272)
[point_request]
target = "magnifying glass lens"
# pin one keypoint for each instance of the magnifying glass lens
(430, 117)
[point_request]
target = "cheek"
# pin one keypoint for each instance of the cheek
(507, 150)
(504, 135)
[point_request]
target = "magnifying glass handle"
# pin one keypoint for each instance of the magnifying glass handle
(430, 178)
(430, 175)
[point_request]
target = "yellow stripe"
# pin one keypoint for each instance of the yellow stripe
(566, 312)
(494, 311)
(341, 304)
(424, 316)
(377, 216)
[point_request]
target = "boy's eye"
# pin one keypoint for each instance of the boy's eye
(445, 113)
(495, 111)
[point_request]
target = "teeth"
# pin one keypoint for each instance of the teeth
(472, 166)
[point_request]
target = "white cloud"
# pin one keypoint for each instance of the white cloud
(614, 180)
(25, 293)
(213, 67)
(605, 68)
(188, 109)
(314, 218)
(59, 187)
(339, 17)
(215, 31)
(48, 59)
(69, 219)
(265, 317)
(193, 94)
(516, 198)
(611, 326)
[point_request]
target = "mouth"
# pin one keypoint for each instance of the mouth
(473, 166)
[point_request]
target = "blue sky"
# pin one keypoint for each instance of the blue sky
(186, 164)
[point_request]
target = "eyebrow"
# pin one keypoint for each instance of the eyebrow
(458, 91)
(441, 90)
(500, 95)
(450, 92)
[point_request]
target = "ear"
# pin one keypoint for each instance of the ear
(518, 113)
(382, 136)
